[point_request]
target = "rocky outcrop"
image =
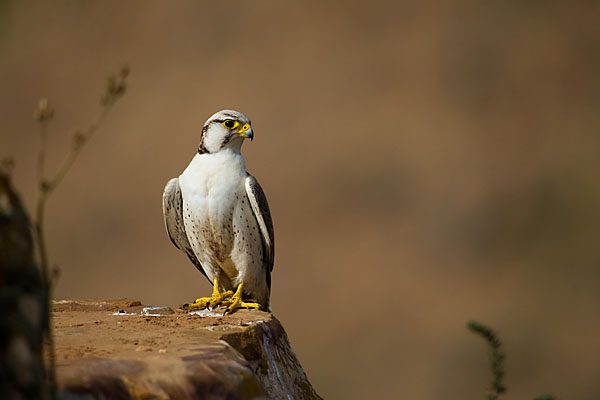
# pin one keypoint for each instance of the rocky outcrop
(266, 349)
(122, 349)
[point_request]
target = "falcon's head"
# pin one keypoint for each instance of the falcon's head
(225, 129)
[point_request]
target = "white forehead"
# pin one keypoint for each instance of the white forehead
(229, 114)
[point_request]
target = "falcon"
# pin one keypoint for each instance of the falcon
(217, 214)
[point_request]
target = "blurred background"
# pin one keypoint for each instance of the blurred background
(425, 164)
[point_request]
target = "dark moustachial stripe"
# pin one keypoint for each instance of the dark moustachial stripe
(226, 140)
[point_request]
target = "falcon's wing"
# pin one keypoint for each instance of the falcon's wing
(260, 208)
(172, 211)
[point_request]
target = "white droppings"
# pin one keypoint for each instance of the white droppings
(147, 311)
(123, 312)
(206, 313)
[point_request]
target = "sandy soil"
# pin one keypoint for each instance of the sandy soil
(89, 328)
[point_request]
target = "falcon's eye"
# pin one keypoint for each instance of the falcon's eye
(230, 124)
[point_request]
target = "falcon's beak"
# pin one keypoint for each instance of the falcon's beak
(246, 132)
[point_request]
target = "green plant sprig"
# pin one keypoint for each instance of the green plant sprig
(497, 357)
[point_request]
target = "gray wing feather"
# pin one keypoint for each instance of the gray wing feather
(173, 214)
(260, 208)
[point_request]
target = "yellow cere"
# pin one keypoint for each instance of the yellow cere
(244, 128)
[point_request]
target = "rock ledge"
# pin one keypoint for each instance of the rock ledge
(111, 349)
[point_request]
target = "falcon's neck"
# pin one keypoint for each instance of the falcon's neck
(223, 162)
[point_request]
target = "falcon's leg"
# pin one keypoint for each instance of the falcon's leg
(236, 302)
(213, 301)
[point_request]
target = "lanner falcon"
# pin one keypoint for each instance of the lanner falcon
(217, 214)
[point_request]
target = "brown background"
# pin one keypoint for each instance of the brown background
(425, 165)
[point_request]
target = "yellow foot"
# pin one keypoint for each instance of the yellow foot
(236, 302)
(211, 302)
